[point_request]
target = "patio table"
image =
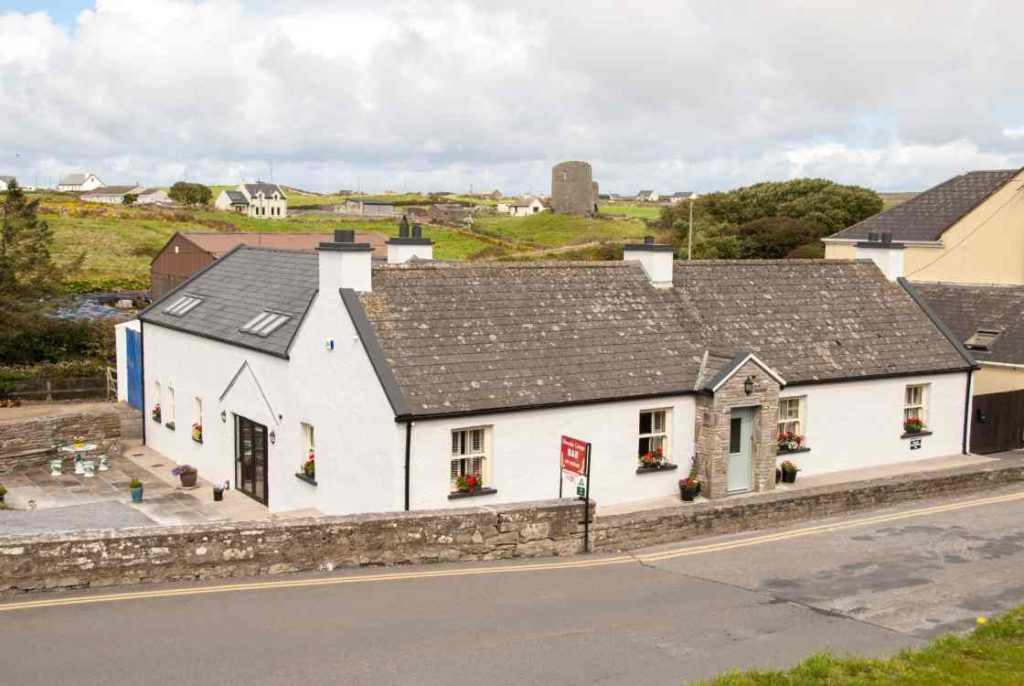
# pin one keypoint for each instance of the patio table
(79, 452)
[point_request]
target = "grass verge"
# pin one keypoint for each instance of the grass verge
(992, 654)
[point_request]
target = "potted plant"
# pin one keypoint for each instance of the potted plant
(136, 487)
(197, 432)
(3, 492)
(218, 493)
(155, 413)
(689, 488)
(467, 484)
(789, 470)
(789, 442)
(309, 466)
(187, 473)
(913, 425)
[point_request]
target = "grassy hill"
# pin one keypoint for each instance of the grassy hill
(119, 242)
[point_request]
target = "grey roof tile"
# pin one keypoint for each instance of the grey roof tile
(926, 216)
(966, 308)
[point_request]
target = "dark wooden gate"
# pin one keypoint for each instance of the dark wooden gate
(998, 422)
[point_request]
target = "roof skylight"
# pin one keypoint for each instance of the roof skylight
(265, 323)
(183, 305)
(982, 339)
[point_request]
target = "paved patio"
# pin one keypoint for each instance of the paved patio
(72, 502)
(802, 483)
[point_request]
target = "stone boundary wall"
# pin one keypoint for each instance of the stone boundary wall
(33, 440)
(780, 508)
(36, 562)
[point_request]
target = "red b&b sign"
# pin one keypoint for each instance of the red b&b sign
(574, 455)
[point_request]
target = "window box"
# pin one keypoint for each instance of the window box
(916, 434)
(790, 451)
(170, 425)
(667, 467)
(308, 479)
(466, 494)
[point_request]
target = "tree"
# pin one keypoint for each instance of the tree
(190, 193)
(725, 222)
(129, 198)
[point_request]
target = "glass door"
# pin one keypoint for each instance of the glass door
(251, 458)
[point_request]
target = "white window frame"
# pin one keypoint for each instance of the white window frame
(168, 417)
(197, 411)
(463, 449)
(664, 434)
(799, 422)
(916, 407)
(308, 439)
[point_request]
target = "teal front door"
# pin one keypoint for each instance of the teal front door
(741, 465)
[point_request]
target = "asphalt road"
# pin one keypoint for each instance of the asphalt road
(870, 584)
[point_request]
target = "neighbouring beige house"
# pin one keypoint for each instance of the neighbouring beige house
(76, 183)
(958, 249)
(260, 200)
(115, 195)
(965, 230)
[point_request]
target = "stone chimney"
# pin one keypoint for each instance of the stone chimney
(656, 259)
(405, 247)
(344, 263)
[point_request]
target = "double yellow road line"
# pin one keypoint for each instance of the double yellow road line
(576, 563)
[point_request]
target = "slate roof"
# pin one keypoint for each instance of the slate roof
(266, 188)
(113, 190)
(237, 197)
(73, 180)
(965, 308)
(813, 320)
(239, 286)
(928, 215)
(6, 178)
(464, 337)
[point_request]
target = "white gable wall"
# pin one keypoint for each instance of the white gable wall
(524, 459)
(358, 443)
(856, 424)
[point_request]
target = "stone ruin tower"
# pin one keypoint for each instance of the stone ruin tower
(573, 189)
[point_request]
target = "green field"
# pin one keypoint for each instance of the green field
(992, 654)
(892, 199)
(547, 230)
(638, 211)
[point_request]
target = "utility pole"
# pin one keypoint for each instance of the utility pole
(689, 247)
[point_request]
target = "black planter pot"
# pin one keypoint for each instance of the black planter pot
(218, 494)
(687, 494)
(789, 477)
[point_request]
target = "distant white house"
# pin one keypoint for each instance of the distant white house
(76, 183)
(115, 195)
(526, 206)
(260, 200)
(648, 196)
(5, 182)
(680, 197)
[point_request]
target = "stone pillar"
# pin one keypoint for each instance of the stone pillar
(713, 415)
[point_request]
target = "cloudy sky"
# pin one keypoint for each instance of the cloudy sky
(671, 95)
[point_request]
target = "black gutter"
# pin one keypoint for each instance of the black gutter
(408, 451)
(967, 412)
(142, 373)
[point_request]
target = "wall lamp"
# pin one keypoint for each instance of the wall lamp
(748, 385)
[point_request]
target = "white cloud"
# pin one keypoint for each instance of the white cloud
(696, 95)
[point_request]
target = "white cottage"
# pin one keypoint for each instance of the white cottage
(406, 379)
(78, 182)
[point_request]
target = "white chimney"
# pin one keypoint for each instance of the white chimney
(345, 263)
(405, 247)
(880, 249)
(656, 259)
